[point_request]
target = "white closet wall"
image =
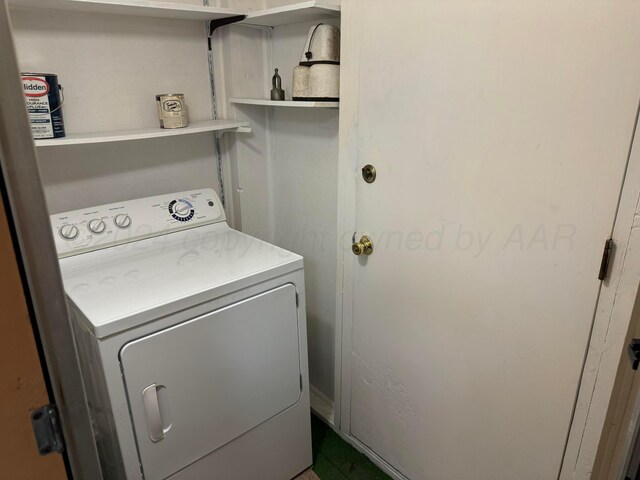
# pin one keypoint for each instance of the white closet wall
(285, 172)
(111, 67)
(305, 191)
(240, 54)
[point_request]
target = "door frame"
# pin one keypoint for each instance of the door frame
(612, 316)
(347, 165)
(619, 437)
(28, 216)
(347, 184)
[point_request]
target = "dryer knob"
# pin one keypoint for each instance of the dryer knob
(97, 226)
(69, 232)
(182, 209)
(122, 220)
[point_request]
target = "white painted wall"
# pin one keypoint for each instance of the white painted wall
(111, 67)
(240, 60)
(305, 189)
(304, 201)
(285, 173)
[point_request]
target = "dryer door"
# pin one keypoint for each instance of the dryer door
(196, 386)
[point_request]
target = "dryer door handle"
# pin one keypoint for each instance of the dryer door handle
(152, 413)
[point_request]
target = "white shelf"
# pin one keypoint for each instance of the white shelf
(126, 135)
(284, 103)
(310, 11)
(146, 8)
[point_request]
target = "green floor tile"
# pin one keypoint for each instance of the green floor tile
(329, 450)
(326, 470)
(363, 470)
(338, 451)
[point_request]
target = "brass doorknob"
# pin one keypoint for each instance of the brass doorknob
(363, 247)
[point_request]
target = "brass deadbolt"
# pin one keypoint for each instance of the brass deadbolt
(363, 247)
(369, 173)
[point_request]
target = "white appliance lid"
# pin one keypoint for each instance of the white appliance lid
(127, 285)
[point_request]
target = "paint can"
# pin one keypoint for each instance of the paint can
(172, 111)
(44, 98)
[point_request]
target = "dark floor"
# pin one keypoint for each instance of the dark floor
(335, 459)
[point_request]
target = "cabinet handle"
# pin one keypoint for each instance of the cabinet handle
(152, 413)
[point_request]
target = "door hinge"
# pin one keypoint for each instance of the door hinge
(297, 300)
(606, 257)
(633, 349)
(300, 382)
(47, 430)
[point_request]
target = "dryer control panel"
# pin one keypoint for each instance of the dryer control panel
(93, 228)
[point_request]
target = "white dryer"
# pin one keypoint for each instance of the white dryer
(192, 340)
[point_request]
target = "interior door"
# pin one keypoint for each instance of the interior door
(500, 132)
(196, 386)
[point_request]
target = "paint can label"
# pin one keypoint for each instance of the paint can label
(42, 95)
(172, 111)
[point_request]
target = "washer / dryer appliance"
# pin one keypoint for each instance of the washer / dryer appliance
(192, 340)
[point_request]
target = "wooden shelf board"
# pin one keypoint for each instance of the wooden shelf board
(146, 8)
(143, 134)
(309, 11)
(285, 103)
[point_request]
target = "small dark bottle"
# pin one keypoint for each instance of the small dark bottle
(277, 93)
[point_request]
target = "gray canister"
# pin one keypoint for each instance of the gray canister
(324, 82)
(300, 84)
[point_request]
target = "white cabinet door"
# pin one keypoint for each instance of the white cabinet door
(194, 387)
(500, 132)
